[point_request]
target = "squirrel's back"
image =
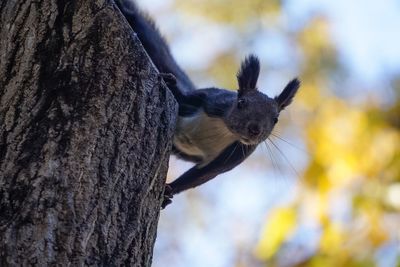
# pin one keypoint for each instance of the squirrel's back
(154, 43)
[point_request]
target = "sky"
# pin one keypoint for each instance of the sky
(366, 33)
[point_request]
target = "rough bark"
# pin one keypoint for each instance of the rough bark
(85, 130)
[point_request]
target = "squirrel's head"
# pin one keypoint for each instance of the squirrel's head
(253, 116)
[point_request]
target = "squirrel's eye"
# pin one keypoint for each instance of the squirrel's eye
(275, 120)
(241, 103)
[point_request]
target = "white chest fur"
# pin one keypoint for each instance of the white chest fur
(202, 136)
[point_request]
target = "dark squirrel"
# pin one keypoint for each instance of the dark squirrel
(217, 129)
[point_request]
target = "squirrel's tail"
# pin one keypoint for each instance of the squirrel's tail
(154, 43)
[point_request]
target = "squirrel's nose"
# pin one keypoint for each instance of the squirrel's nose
(254, 129)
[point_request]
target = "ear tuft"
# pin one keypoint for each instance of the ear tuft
(248, 74)
(286, 97)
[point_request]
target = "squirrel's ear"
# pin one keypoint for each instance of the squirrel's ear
(286, 97)
(248, 74)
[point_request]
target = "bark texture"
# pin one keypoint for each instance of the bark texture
(85, 130)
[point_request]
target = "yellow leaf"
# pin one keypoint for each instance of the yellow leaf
(332, 239)
(279, 226)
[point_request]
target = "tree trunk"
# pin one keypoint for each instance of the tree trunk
(85, 136)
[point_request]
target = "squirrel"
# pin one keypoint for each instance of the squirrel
(217, 129)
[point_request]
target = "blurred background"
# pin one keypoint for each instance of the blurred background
(325, 188)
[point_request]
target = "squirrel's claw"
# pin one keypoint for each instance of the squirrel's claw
(166, 202)
(168, 195)
(169, 78)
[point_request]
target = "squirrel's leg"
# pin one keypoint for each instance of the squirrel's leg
(189, 102)
(232, 156)
(167, 196)
(171, 82)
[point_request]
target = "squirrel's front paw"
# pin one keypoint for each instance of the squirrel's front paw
(169, 78)
(167, 196)
(166, 202)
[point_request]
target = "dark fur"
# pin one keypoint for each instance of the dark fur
(248, 74)
(248, 116)
(232, 156)
(286, 97)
